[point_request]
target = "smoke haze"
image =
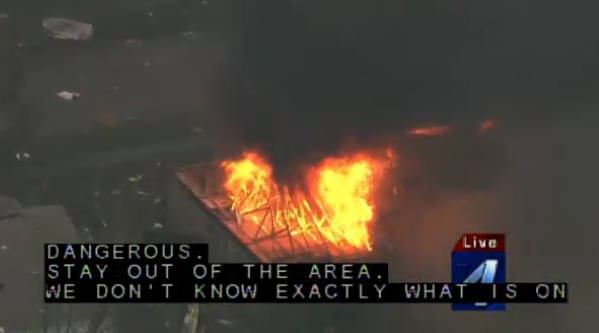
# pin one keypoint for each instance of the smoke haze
(307, 76)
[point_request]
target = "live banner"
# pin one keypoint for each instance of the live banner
(181, 273)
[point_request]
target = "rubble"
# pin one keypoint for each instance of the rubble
(63, 28)
(192, 318)
(9, 208)
(81, 327)
(190, 34)
(21, 156)
(133, 42)
(135, 179)
(68, 95)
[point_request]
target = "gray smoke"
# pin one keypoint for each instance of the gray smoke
(307, 76)
(545, 202)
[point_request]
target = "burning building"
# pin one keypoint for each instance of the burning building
(336, 212)
(240, 209)
(327, 218)
(244, 215)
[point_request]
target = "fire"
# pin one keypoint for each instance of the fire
(429, 131)
(336, 206)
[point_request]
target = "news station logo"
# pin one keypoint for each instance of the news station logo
(479, 258)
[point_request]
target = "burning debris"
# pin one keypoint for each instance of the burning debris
(483, 127)
(331, 215)
(328, 212)
(429, 131)
(337, 209)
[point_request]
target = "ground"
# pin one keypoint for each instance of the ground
(98, 156)
(132, 82)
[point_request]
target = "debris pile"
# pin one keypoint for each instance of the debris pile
(63, 28)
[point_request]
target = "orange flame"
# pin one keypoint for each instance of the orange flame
(336, 209)
(429, 131)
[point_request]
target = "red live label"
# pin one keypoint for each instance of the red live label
(480, 243)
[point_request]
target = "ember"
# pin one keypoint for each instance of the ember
(487, 125)
(429, 131)
(336, 208)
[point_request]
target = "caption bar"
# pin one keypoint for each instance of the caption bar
(180, 273)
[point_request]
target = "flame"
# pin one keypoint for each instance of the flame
(429, 131)
(336, 207)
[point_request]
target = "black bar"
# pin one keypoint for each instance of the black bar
(300, 273)
(82, 253)
(272, 292)
(188, 272)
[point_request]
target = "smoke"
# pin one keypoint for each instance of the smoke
(307, 77)
(546, 205)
